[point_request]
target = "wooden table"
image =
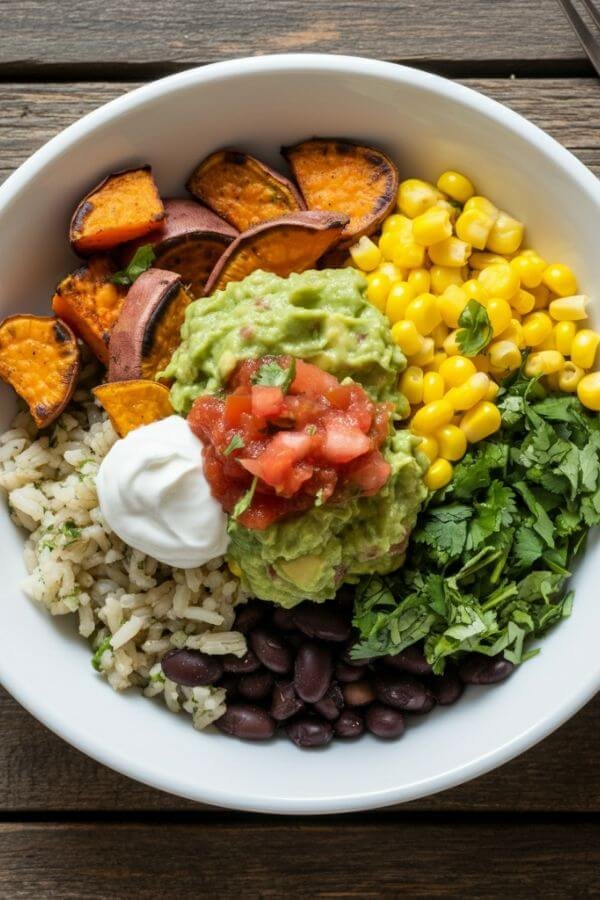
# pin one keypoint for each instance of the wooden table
(71, 828)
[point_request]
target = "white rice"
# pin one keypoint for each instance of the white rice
(131, 608)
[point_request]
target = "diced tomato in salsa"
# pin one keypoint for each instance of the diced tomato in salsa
(317, 443)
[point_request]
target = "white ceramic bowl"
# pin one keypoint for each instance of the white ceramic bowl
(428, 125)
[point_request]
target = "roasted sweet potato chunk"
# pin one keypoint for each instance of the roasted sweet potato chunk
(242, 189)
(148, 329)
(190, 243)
(130, 404)
(90, 303)
(39, 358)
(123, 207)
(290, 244)
(340, 176)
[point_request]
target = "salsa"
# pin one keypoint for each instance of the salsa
(292, 435)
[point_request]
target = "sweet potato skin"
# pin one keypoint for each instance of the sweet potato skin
(122, 207)
(131, 404)
(148, 329)
(290, 244)
(340, 175)
(39, 358)
(242, 189)
(90, 303)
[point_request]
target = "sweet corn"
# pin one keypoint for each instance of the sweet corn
(406, 336)
(378, 288)
(482, 204)
(474, 227)
(544, 362)
(469, 393)
(564, 332)
(424, 313)
(483, 260)
(411, 384)
(499, 280)
(438, 475)
(548, 343)
(438, 358)
(452, 443)
(451, 343)
(529, 267)
(408, 253)
(584, 347)
(425, 355)
(455, 370)
(570, 377)
(569, 309)
(439, 335)
(451, 252)
(431, 417)
(551, 382)
(429, 446)
(542, 296)
(522, 301)
(514, 333)
(420, 280)
(474, 290)
(432, 226)
(433, 387)
(482, 363)
(397, 223)
(481, 421)
(492, 391)
(560, 279)
(234, 568)
(506, 235)
(451, 304)
(393, 272)
(443, 277)
(588, 391)
(455, 185)
(365, 254)
(416, 196)
(504, 355)
(399, 297)
(537, 326)
(499, 314)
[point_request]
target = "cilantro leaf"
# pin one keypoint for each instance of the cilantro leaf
(475, 329)
(245, 500)
(142, 259)
(103, 646)
(272, 374)
(445, 532)
(236, 443)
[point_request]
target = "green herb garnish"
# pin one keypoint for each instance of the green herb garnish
(244, 502)
(475, 329)
(271, 374)
(236, 443)
(103, 646)
(142, 259)
(70, 531)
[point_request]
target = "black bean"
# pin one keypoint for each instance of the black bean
(283, 618)
(285, 702)
(384, 722)
(273, 653)
(446, 688)
(308, 731)
(246, 721)
(230, 684)
(479, 669)
(346, 674)
(249, 615)
(350, 724)
(411, 659)
(256, 686)
(241, 666)
(312, 672)
(322, 622)
(331, 704)
(191, 668)
(404, 692)
(360, 693)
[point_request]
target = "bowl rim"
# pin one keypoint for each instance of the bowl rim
(68, 728)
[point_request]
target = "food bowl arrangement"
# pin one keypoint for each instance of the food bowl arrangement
(388, 277)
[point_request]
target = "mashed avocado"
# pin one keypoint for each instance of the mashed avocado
(322, 318)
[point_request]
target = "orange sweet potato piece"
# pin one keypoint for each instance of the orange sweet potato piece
(290, 244)
(340, 176)
(90, 303)
(39, 358)
(190, 243)
(130, 404)
(148, 329)
(243, 189)
(123, 207)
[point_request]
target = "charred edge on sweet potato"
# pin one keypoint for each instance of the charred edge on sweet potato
(157, 317)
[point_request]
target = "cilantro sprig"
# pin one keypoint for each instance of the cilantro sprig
(245, 500)
(475, 329)
(142, 259)
(236, 443)
(271, 374)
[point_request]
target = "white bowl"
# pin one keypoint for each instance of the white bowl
(428, 125)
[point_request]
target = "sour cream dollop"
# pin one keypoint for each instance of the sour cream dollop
(153, 494)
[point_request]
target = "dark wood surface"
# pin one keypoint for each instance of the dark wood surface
(72, 828)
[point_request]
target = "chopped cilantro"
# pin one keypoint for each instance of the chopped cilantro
(103, 646)
(244, 502)
(236, 443)
(271, 374)
(142, 260)
(475, 329)
(70, 531)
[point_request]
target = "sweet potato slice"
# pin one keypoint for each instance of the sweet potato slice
(190, 243)
(290, 244)
(148, 329)
(124, 206)
(39, 357)
(243, 189)
(90, 303)
(340, 176)
(130, 404)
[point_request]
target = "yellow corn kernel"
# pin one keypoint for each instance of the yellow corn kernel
(514, 333)
(450, 208)
(397, 223)
(443, 277)
(451, 344)
(456, 185)
(438, 475)
(393, 272)
(529, 267)
(399, 297)
(584, 347)
(411, 384)
(569, 309)
(424, 313)
(433, 387)
(406, 336)
(389, 242)
(483, 260)
(560, 279)
(564, 332)
(234, 568)
(544, 362)
(506, 235)
(432, 226)
(378, 288)
(482, 204)
(499, 314)
(522, 301)
(456, 370)
(439, 335)
(365, 254)
(499, 280)
(469, 393)
(588, 391)
(548, 343)
(408, 254)
(451, 304)
(474, 227)
(431, 417)
(537, 326)
(416, 196)
(482, 363)
(452, 443)
(481, 421)
(492, 391)
(542, 296)
(420, 280)
(438, 358)
(504, 355)
(570, 377)
(451, 252)
(552, 382)
(429, 446)
(425, 355)
(474, 290)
